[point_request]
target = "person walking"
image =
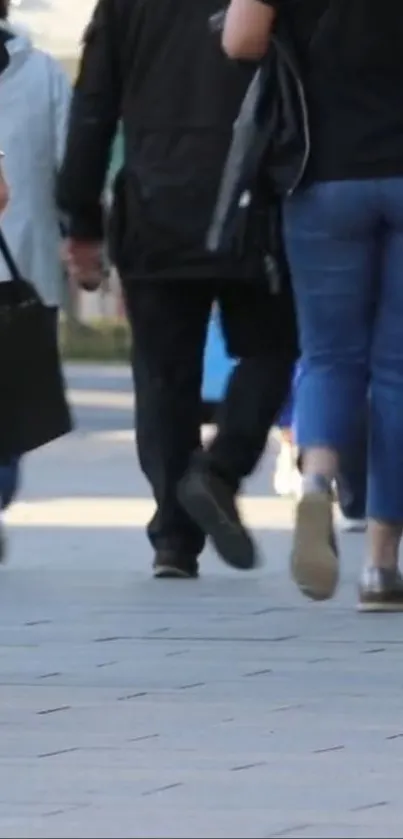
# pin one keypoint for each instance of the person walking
(155, 68)
(343, 221)
(34, 105)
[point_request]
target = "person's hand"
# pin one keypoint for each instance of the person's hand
(4, 193)
(85, 264)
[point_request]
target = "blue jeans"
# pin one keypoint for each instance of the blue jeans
(352, 478)
(345, 247)
(286, 418)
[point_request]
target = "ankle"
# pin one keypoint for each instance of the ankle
(320, 462)
(382, 563)
(384, 543)
(315, 482)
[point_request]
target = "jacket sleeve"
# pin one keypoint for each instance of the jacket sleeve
(94, 117)
(60, 105)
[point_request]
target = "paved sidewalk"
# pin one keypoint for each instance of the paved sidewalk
(227, 707)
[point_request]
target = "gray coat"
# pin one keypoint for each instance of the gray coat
(34, 106)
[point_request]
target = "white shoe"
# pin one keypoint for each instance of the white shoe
(287, 479)
(297, 484)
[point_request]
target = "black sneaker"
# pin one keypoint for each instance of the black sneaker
(170, 565)
(314, 559)
(211, 503)
(380, 590)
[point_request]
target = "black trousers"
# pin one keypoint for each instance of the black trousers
(352, 480)
(169, 320)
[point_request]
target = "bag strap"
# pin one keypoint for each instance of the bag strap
(9, 259)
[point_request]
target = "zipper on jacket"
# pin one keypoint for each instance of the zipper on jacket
(305, 118)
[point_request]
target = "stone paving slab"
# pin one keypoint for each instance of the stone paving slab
(226, 707)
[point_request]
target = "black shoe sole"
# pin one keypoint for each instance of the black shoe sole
(372, 606)
(200, 496)
(168, 572)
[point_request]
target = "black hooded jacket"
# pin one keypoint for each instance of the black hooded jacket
(4, 55)
(155, 68)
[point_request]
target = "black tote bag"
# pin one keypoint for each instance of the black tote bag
(33, 405)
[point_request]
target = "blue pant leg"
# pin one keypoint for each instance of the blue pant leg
(333, 247)
(385, 487)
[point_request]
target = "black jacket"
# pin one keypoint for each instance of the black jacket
(155, 67)
(268, 154)
(4, 54)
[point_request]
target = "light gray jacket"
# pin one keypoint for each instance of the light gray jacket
(34, 105)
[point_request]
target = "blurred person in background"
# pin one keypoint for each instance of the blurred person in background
(343, 223)
(287, 477)
(34, 105)
(4, 194)
(156, 68)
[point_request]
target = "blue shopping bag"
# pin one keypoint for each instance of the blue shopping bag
(217, 364)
